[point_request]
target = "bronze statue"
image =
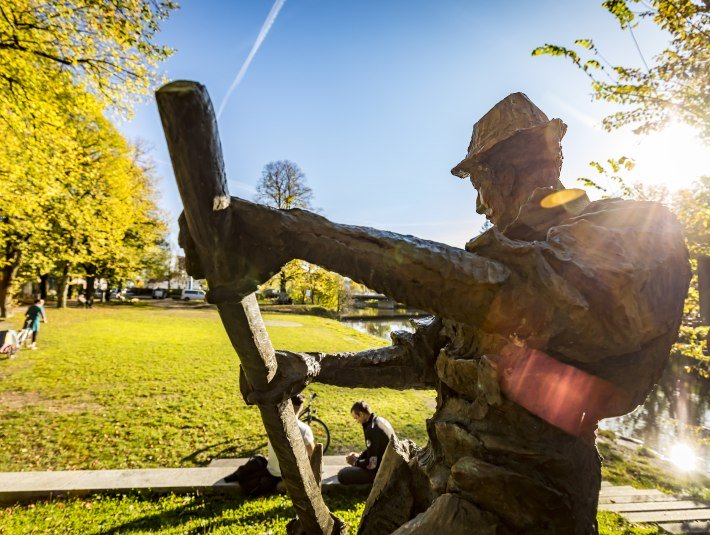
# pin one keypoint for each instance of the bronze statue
(559, 315)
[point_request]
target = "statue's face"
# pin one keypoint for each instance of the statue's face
(504, 183)
(482, 206)
(489, 201)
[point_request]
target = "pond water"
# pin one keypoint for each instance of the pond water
(674, 421)
(379, 322)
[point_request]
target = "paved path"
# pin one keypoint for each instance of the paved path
(673, 513)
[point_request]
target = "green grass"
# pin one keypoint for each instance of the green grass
(168, 515)
(138, 387)
(613, 524)
(134, 387)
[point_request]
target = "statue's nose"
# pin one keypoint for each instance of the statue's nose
(480, 205)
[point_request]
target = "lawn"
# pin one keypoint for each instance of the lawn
(168, 515)
(136, 386)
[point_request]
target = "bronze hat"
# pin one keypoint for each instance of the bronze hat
(513, 116)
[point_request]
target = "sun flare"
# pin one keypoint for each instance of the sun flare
(674, 157)
(683, 457)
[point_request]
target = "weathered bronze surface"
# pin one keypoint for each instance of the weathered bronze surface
(191, 132)
(561, 314)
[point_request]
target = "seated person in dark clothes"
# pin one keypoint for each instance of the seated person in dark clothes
(259, 475)
(377, 431)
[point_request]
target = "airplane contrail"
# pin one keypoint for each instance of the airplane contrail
(270, 18)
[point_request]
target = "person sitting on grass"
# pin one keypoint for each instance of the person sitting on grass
(259, 475)
(378, 431)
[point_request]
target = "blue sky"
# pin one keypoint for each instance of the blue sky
(375, 101)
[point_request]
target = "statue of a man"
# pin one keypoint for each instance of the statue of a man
(559, 315)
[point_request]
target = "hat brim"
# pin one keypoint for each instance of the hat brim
(549, 134)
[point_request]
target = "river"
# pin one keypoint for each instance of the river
(674, 421)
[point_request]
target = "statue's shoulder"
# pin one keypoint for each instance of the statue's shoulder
(630, 215)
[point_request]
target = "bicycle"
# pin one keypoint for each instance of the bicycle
(321, 433)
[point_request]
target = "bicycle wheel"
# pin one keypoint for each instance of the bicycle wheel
(321, 433)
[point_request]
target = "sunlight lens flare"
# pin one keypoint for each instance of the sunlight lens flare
(674, 157)
(561, 198)
(683, 457)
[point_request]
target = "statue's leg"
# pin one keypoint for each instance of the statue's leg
(451, 514)
(533, 477)
(391, 500)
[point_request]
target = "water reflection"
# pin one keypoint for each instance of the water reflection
(379, 322)
(379, 327)
(676, 411)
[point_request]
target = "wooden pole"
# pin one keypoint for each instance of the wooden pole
(193, 141)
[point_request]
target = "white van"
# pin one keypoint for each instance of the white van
(192, 295)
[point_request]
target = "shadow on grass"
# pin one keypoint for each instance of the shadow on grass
(210, 509)
(211, 512)
(225, 452)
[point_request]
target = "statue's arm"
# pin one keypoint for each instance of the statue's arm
(408, 363)
(444, 280)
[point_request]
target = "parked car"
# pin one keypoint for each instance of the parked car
(160, 293)
(139, 293)
(192, 295)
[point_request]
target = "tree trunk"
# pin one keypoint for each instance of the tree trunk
(62, 286)
(704, 288)
(283, 296)
(704, 296)
(90, 283)
(9, 272)
(43, 283)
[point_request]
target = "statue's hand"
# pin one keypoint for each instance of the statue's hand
(241, 264)
(420, 349)
(295, 372)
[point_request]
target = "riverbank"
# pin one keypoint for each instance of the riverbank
(629, 462)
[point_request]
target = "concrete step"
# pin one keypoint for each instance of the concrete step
(28, 486)
(699, 527)
(673, 514)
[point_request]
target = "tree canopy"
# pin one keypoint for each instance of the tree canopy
(675, 83)
(674, 86)
(74, 194)
(75, 197)
(283, 185)
(107, 45)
